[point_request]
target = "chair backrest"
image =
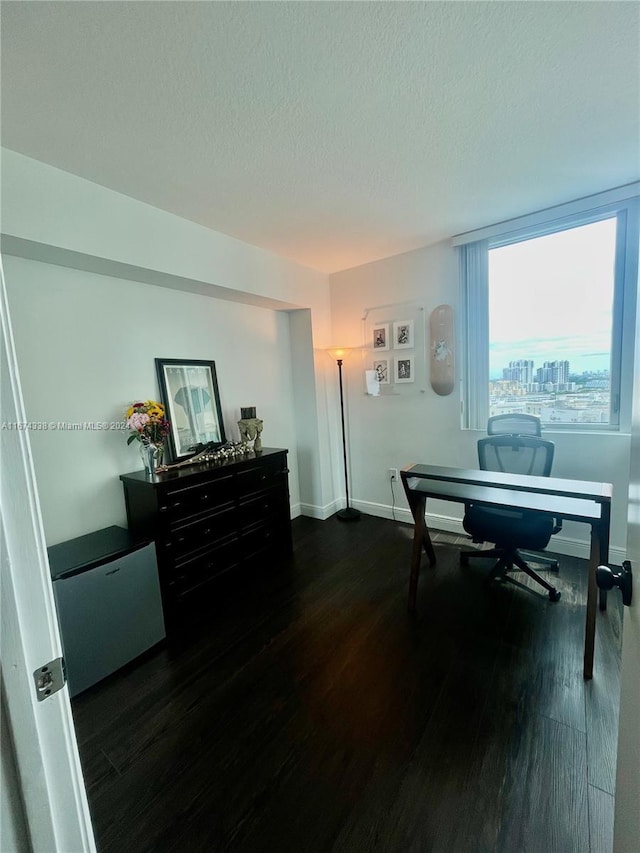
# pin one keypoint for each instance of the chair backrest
(516, 454)
(514, 424)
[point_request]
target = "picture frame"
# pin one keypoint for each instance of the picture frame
(381, 367)
(404, 369)
(191, 399)
(380, 337)
(403, 334)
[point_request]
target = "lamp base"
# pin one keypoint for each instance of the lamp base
(348, 514)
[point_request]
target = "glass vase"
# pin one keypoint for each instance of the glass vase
(152, 455)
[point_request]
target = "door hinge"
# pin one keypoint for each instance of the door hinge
(49, 678)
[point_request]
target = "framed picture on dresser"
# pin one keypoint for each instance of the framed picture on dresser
(189, 393)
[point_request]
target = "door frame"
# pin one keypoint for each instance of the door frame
(48, 770)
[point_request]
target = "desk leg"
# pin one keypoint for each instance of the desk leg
(592, 595)
(604, 549)
(418, 506)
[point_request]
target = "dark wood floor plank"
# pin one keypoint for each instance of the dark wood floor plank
(306, 710)
(415, 804)
(603, 698)
(601, 813)
(529, 774)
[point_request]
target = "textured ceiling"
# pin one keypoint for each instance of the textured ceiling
(333, 133)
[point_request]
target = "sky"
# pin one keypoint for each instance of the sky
(552, 298)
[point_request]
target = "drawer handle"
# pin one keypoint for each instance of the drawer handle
(176, 504)
(204, 498)
(163, 509)
(207, 531)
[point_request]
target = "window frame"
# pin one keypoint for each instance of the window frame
(474, 250)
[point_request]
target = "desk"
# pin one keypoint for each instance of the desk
(574, 500)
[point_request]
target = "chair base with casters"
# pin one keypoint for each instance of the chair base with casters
(510, 531)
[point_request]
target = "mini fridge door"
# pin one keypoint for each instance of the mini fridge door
(109, 615)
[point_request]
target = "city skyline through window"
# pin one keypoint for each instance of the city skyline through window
(551, 302)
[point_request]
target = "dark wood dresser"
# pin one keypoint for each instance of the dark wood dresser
(209, 520)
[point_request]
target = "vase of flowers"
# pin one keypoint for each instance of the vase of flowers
(150, 428)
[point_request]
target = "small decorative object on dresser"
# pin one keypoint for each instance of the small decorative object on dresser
(150, 428)
(210, 520)
(250, 428)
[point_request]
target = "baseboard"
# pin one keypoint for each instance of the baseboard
(320, 512)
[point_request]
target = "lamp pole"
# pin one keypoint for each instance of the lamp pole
(348, 513)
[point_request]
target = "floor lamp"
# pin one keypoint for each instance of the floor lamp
(348, 513)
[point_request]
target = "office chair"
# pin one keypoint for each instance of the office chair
(518, 423)
(514, 424)
(511, 530)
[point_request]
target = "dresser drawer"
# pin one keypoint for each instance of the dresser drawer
(262, 537)
(266, 474)
(198, 569)
(209, 522)
(262, 505)
(185, 535)
(197, 498)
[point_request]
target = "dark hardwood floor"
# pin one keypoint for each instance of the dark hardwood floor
(308, 711)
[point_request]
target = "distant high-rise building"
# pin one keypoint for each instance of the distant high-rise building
(554, 372)
(519, 371)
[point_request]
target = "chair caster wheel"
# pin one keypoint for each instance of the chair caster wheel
(554, 595)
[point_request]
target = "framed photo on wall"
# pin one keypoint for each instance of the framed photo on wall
(403, 334)
(404, 369)
(381, 367)
(189, 392)
(380, 337)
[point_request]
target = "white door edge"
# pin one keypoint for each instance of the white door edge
(48, 764)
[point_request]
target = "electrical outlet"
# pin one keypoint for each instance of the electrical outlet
(393, 474)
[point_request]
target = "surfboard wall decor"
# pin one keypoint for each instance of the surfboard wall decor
(441, 350)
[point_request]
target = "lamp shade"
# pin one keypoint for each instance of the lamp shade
(338, 352)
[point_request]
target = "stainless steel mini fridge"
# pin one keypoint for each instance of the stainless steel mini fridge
(108, 600)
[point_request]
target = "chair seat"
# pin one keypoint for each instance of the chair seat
(508, 528)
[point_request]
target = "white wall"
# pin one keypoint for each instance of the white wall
(101, 284)
(14, 837)
(390, 431)
(86, 345)
(64, 220)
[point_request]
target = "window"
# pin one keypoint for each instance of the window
(544, 317)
